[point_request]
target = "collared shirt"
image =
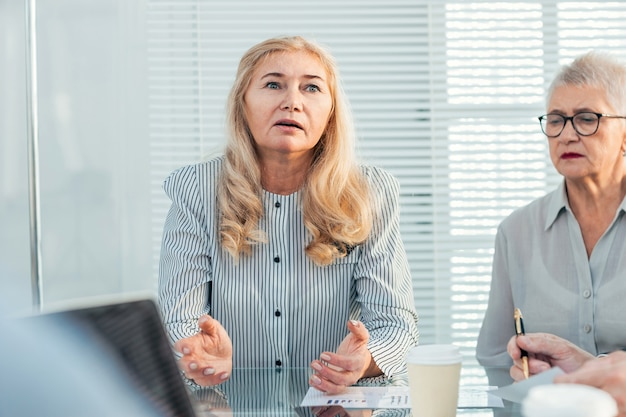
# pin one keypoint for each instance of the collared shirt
(541, 266)
(278, 306)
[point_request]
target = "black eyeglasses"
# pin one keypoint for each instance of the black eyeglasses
(585, 123)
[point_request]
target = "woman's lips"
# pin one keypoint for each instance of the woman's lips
(571, 155)
(288, 123)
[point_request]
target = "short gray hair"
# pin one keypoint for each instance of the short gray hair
(597, 69)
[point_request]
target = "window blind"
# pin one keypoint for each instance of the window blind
(445, 96)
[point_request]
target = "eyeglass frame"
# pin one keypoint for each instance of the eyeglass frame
(571, 119)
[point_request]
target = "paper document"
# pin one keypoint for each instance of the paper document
(518, 390)
(394, 397)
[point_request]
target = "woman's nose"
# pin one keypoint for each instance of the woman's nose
(292, 101)
(569, 134)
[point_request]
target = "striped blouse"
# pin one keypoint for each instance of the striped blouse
(278, 306)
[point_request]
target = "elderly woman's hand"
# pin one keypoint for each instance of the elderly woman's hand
(207, 356)
(336, 371)
(545, 350)
(608, 373)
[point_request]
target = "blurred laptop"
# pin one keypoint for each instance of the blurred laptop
(132, 333)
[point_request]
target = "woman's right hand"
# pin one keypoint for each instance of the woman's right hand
(207, 356)
(545, 350)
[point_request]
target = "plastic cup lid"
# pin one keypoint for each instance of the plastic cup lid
(568, 400)
(437, 354)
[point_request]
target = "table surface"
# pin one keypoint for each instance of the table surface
(279, 392)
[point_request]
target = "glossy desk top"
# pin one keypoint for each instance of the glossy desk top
(279, 392)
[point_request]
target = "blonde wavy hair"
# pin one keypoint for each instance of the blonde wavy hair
(336, 202)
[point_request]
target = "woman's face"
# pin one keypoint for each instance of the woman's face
(287, 104)
(597, 156)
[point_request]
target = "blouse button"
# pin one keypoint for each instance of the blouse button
(587, 328)
(586, 293)
(277, 204)
(278, 362)
(277, 313)
(276, 259)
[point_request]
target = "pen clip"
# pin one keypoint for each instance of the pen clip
(519, 323)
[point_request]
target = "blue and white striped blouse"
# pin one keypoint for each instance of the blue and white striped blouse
(280, 308)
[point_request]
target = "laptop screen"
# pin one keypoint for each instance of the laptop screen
(133, 334)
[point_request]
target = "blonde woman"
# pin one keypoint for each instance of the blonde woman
(285, 252)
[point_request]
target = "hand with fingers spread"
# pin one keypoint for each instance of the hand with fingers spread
(352, 361)
(545, 350)
(206, 356)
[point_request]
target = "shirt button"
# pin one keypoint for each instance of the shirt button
(277, 313)
(586, 293)
(277, 204)
(276, 259)
(278, 362)
(587, 328)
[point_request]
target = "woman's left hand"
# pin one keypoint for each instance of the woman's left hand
(336, 371)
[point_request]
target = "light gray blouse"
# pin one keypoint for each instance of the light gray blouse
(279, 308)
(541, 266)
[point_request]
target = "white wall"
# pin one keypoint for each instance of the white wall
(93, 150)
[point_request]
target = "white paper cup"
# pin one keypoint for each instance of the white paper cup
(434, 375)
(568, 400)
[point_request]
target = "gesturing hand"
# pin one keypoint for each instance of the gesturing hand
(335, 371)
(207, 356)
